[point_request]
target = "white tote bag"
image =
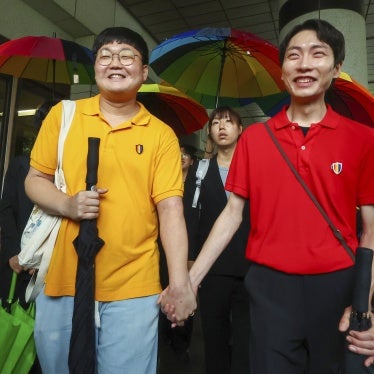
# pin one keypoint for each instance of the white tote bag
(39, 236)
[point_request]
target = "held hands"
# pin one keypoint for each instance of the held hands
(178, 303)
(360, 342)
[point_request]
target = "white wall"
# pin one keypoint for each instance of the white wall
(17, 19)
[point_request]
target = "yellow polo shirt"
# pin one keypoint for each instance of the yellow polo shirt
(139, 162)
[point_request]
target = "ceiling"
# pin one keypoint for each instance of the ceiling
(164, 18)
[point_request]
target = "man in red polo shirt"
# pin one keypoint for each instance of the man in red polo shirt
(300, 279)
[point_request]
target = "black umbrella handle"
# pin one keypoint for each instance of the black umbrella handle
(92, 163)
(361, 291)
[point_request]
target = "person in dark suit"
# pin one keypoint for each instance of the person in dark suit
(176, 338)
(223, 300)
(15, 209)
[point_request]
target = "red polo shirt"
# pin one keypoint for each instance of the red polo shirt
(335, 159)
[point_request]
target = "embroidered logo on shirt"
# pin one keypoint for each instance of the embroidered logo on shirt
(139, 149)
(337, 167)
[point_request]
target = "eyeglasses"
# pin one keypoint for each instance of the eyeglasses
(126, 57)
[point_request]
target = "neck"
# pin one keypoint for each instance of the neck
(117, 113)
(306, 113)
(184, 174)
(224, 156)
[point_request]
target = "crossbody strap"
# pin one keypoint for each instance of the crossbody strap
(335, 231)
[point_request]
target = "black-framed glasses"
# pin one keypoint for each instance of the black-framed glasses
(125, 56)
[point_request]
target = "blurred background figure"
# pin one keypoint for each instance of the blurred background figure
(174, 343)
(188, 153)
(15, 209)
(223, 299)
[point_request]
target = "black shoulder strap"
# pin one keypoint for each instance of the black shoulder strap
(335, 231)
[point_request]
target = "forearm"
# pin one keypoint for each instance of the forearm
(367, 236)
(178, 300)
(174, 241)
(42, 191)
(221, 234)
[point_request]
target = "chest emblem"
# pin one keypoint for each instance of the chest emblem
(139, 149)
(337, 167)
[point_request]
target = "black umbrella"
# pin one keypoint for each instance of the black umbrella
(82, 355)
(360, 317)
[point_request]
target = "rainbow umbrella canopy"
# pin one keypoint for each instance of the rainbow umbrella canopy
(215, 64)
(346, 96)
(47, 59)
(183, 114)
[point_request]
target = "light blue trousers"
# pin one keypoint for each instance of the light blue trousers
(126, 341)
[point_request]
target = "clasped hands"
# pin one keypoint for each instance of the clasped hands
(178, 303)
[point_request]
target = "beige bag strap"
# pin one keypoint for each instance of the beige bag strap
(37, 280)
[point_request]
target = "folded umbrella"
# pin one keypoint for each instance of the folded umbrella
(360, 319)
(82, 354)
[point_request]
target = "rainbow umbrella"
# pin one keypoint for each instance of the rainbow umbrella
(220, 63)
(46, 59)
(173, 107)
(346, 96)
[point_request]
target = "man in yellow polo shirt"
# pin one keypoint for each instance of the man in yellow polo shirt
(139, 183)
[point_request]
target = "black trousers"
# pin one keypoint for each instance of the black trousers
(224, 310)
(294, 320)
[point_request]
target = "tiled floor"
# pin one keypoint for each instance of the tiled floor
(169, 363)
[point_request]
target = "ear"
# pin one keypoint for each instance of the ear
(337, 70)
(145, 72)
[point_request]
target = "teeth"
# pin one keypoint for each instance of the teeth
(115, 76)
(304, 80)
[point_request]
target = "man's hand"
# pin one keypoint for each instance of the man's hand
(178, 303)
(84, 204)
(14, 264)
(360, 342)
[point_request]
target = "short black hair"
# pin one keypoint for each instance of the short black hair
(122, 35)
(190, 150)
(223, 111)
(326, 33)
(42, 111)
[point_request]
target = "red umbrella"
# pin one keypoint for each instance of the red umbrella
(47, 59)
(183, 114)
(346, 96)
(351, 99)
